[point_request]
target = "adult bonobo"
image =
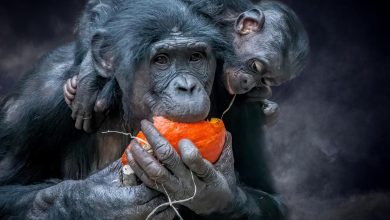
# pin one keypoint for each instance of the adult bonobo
(160, 59)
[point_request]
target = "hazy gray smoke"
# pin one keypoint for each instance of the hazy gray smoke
(329, 150)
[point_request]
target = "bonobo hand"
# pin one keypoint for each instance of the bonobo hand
(213, 187)
(83, 96)
(98, 197)
(271, 112)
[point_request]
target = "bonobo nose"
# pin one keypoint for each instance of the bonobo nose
(185, 84)
(247, 81)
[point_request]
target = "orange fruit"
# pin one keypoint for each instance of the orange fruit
(207, 136)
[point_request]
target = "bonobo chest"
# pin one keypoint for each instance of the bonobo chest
(110, 146)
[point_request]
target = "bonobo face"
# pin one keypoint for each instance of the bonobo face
(180, 77)
(271, 46)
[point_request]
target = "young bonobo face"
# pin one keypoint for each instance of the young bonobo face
(271, 46)
(180, 77)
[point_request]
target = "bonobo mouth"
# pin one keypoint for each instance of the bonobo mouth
(185, 109)
(259, 93)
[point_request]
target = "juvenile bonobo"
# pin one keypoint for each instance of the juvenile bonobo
(163, 63)
(270, 43)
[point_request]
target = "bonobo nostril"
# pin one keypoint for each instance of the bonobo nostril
(245, 81)
(182, 89)
(185, 85)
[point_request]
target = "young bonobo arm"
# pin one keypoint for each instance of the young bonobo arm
(98, 197)
(217, 192)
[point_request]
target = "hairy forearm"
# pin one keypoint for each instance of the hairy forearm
(43, 200)
(251, 203)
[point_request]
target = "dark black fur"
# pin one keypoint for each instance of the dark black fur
(34, 147)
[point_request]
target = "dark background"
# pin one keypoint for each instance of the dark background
(329, 152)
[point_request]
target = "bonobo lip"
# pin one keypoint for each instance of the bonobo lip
(185, 119)
(259, 93)
(228, 87)
(186, 112)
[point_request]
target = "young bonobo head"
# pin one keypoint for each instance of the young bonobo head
(163, 59)
(272, 47)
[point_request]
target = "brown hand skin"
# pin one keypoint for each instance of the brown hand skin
(216, 184)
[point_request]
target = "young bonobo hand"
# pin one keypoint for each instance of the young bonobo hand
(269, 108)
(216, 189)
(85, 98)
(271, 112)
(100, 196)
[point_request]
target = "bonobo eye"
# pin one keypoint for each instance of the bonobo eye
(195, 57)
(161, 59)
(257, 66)
(267, 81)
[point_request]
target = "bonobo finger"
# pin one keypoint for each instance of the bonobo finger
(270, 107)
(194, 161)
(75, 111)
(155, 170)
(137, 169)
(105, 96)
(67, 93)
(87, 124)
(70, 88)
(100, 105)
(74, 81)
(79, 122)
(163, 149)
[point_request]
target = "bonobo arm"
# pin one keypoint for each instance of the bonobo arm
(98, 197)
(217, 191)
(245, 122)
(88, 84)
(35, 133)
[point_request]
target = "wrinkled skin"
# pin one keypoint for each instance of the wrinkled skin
(169, 173)
(102, 189)
(182, 78)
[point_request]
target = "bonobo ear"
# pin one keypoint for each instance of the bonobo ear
(102, 54)
(249, 21)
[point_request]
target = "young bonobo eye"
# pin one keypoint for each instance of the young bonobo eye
(267, 81)
(257, 66)
(196, 57)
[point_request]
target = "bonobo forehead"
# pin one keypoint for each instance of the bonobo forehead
(179, 43)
